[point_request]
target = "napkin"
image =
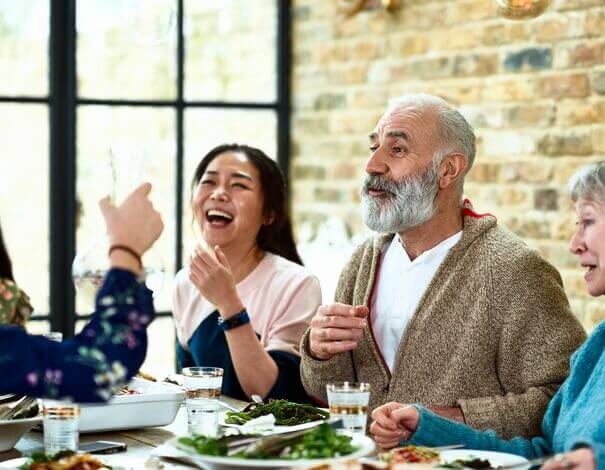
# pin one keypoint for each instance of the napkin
(262, 423)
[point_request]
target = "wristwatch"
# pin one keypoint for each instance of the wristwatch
(234, 321)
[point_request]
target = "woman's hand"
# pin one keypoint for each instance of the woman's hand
(392, 423)
(579, 459)
(210, 272)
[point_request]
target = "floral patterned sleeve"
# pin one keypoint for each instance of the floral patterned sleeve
(94, 364)
(15, 308)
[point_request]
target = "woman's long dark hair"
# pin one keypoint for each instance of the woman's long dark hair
(276, 237)
(6, 267)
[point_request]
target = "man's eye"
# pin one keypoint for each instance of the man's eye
(398, 150)
(373, 148)
(586, 222)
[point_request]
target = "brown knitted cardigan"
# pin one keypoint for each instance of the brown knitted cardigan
(492, 333)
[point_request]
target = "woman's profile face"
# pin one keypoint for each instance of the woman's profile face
(228, 201)
(588, 243)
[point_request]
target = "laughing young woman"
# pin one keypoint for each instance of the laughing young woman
(574, 422)
(245, 299)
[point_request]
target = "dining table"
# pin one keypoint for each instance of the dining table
(140, 443)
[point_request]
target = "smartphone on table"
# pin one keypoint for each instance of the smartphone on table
(103, 447)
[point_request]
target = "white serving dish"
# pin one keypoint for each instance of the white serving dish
(157, 404)
(12, 430)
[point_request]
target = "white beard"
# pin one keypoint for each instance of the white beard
(408, 203)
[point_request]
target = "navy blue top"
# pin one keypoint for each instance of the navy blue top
(208, 348)
(95, 363)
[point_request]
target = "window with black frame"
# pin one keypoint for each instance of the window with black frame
(157, 84)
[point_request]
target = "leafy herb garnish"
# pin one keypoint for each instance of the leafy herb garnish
(287, 413)
(317, 443)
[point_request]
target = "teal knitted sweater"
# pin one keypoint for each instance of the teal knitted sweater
(575, 416)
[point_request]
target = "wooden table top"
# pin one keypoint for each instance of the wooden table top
(140, 442)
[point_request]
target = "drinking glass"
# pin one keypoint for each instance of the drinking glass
(60, 419)
(202, 388)
(349, 402)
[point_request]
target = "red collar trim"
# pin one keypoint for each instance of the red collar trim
(468, 210)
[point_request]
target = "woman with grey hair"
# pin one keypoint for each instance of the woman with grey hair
(574, 422)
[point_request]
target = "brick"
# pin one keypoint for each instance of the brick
(531, 115)
(475, 65)
(546, 199)
(426, 69)
(595, 22)
(564, 228)
(368, 49)
(507, 90)
(526, 172)
(574, 143)
(598, 139)
(512, 197)
(373, 97)
(598, 82)
(553, 28)
(309, 172)
(500, 34)
(504, 143)
(330, 195)
(532, 58)
(576, 113)
(346, 171)
(455, 38)
(470, 10)
(349, 74)
(379, 72)
(480, 116)
(311, 124)
(402, 45)
(484, 173)
(528, 227)
(564, 86)
(330, 101)
(579, 55)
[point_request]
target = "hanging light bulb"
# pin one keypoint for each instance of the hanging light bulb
(521, 9)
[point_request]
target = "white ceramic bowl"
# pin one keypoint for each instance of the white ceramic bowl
(13, 429)
(156, 404)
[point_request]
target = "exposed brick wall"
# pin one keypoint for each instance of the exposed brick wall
(533, 90)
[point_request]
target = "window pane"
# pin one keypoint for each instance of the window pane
(126, 49)
(126, 145)
(24, 47)
(24, 202)
(205, 129)
(231, 50)
(161, 356)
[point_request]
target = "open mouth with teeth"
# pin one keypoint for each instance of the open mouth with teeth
(218, 218)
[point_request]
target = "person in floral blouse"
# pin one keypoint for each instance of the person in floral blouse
(14, 303)
(108, 351)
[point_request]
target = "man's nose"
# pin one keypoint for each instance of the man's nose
(376, 164)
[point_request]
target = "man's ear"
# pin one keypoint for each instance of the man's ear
(452, 168)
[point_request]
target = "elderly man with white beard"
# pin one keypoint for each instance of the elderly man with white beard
(442, 307)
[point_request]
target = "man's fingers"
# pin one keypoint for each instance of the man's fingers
(361, 311)
(336, 309)
(339, 334)
(329, 321)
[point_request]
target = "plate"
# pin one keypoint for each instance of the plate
(495, 458)
(277, 429)
(365, 444)
(117, 462)
(13, 429)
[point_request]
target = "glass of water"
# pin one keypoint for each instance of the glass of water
(202, 388)
(61, 419)
(349, 402)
